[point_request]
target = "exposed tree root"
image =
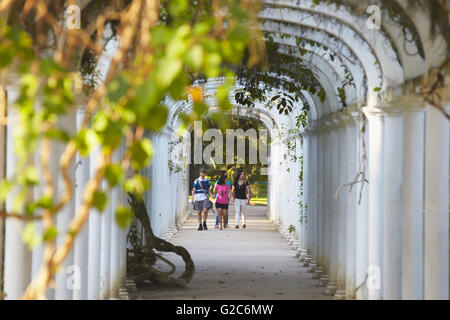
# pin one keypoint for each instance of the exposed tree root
(142, 257)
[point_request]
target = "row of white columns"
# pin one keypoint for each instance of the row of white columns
(96, 266)
(167, 199)
(284, 194)
(388, 240)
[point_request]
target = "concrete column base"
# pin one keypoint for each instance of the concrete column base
(307, 261)
(312, 266)
(298, 252)
(340, 295)
(317, 273)
(323, 281)
(331, 289)
(303, 256)
(123, 294)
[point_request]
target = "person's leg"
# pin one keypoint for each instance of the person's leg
(199, 216)
(217, 218)
(225, 218)
(237, 206)
(244, 212)
(205, 216)
(220, 214)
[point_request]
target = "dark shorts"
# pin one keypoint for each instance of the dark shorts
(222, 206)
(202, 204)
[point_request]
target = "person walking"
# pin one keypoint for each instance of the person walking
(240, 197)
(225, 211)
(222, 192)
(200, 198)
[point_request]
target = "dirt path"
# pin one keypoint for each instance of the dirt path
(251, 263)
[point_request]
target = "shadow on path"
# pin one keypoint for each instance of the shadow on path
(251, 263)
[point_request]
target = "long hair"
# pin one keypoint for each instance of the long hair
(238, 174)
(222, 179)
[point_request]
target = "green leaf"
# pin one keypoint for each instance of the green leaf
(168, 69)
(108, 131)
(86, 140)
(5, 188)
(30, 236)
(99, 200)
(155, 119)
(19, 201)
(58, 134)
(177, 7)
(49, 67)
(160, 34)
(178, 88)
(376, 89)
(141, 153)
(50, 234)
(45, 202)
(194, 57)
(137, 185)
(117, 88)
(114, 174)
(147, 97)
(124, 216)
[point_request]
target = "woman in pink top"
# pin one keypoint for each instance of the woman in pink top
(222, 192)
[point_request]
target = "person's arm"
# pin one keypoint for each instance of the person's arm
(232, 194)
(193, 192)
(248, 193)
(229, 193)
(214, 192)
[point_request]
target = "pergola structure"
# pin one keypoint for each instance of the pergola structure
(373, 220)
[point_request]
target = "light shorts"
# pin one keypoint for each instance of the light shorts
(202, 204)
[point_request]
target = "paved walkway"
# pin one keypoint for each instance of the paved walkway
(251, 263)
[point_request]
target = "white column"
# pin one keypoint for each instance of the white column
(436, 205)
(351, 198)
(310, 200)
(123, 245)
(312, 212)
(362, 211)
(393, 197)
(38, 251)
(376, 191)
(341, 238)
(63, 278)
(306, 189)
(105, 247)
(413, 181)
(115, 239)
(95, 234)
(323, 206)
(315, 239)
(17, 263)
(81, 246)
(317, 259)
(333, 184)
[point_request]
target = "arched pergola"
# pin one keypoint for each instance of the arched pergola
(372, 219)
